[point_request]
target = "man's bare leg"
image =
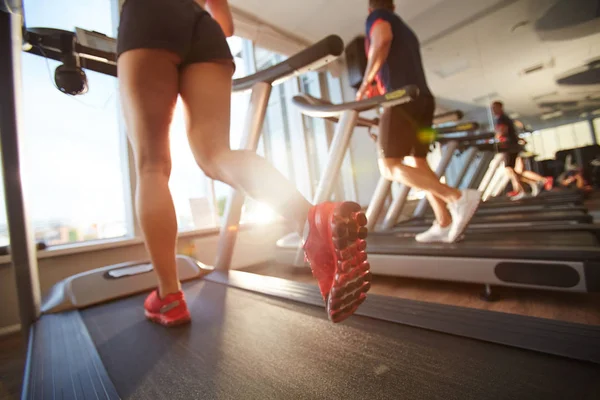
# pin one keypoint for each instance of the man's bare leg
(532, 176)
(461, 204)
(514, 179)
(440, 210)
(417, 177)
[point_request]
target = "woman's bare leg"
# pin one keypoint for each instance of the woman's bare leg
(337, 256)
(206, 94)
(149, 85)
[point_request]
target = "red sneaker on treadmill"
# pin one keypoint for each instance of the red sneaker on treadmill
(335, 249)
(170, 311)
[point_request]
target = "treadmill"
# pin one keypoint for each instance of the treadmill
(469, 147)
(256, 337)
(506, 216)
(495, 181)
(565, 259)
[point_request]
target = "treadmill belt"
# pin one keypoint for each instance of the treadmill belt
(506, 218)
(246, 345)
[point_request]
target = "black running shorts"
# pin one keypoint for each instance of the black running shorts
(180, 26)
(408, 130)
(510, 159)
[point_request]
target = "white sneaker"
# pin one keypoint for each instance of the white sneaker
(519, 196)
(434, 234)
(462, 211)
(535, 189)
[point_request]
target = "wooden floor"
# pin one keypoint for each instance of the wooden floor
(581, 308)
(12, 362)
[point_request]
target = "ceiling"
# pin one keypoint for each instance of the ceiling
(473, 50)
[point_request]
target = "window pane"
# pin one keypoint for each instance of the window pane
(94, 15)
(538, 144)
(316, 133)
(550, 143)
(582, 134)
(597, 129)
(72, 165)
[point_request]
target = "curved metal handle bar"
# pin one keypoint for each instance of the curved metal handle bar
(465, 136)
(309, 59)
(319, 108)
(466, 127)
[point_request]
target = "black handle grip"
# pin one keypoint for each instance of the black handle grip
(5, 250)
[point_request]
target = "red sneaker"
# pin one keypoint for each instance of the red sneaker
(549, 183)
(170, 311)
(335, 249)
(513, 193)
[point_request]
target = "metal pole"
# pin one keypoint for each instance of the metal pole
(501, 184)
(447, 156)
(485, 158)
(331, 172)
(491, 171)
(468, 158)
(593, 131)
(482, 166)
(376, 205)
(22, 249)
(253, 125)
(337, 151)
(395, 208)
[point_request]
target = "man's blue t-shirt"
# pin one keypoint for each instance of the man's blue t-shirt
(511, 137)
(403, 65)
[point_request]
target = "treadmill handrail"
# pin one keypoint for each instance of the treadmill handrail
(466, 127)
(45, 42)
(309, 59)
(465, 136)
(319, 108)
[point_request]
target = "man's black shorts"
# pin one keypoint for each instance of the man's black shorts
(180, 26)
(510, 159)
(405, 129)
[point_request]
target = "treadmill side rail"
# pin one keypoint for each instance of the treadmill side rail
(60, 353)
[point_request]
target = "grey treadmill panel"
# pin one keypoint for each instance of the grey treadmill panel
(245, 345)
